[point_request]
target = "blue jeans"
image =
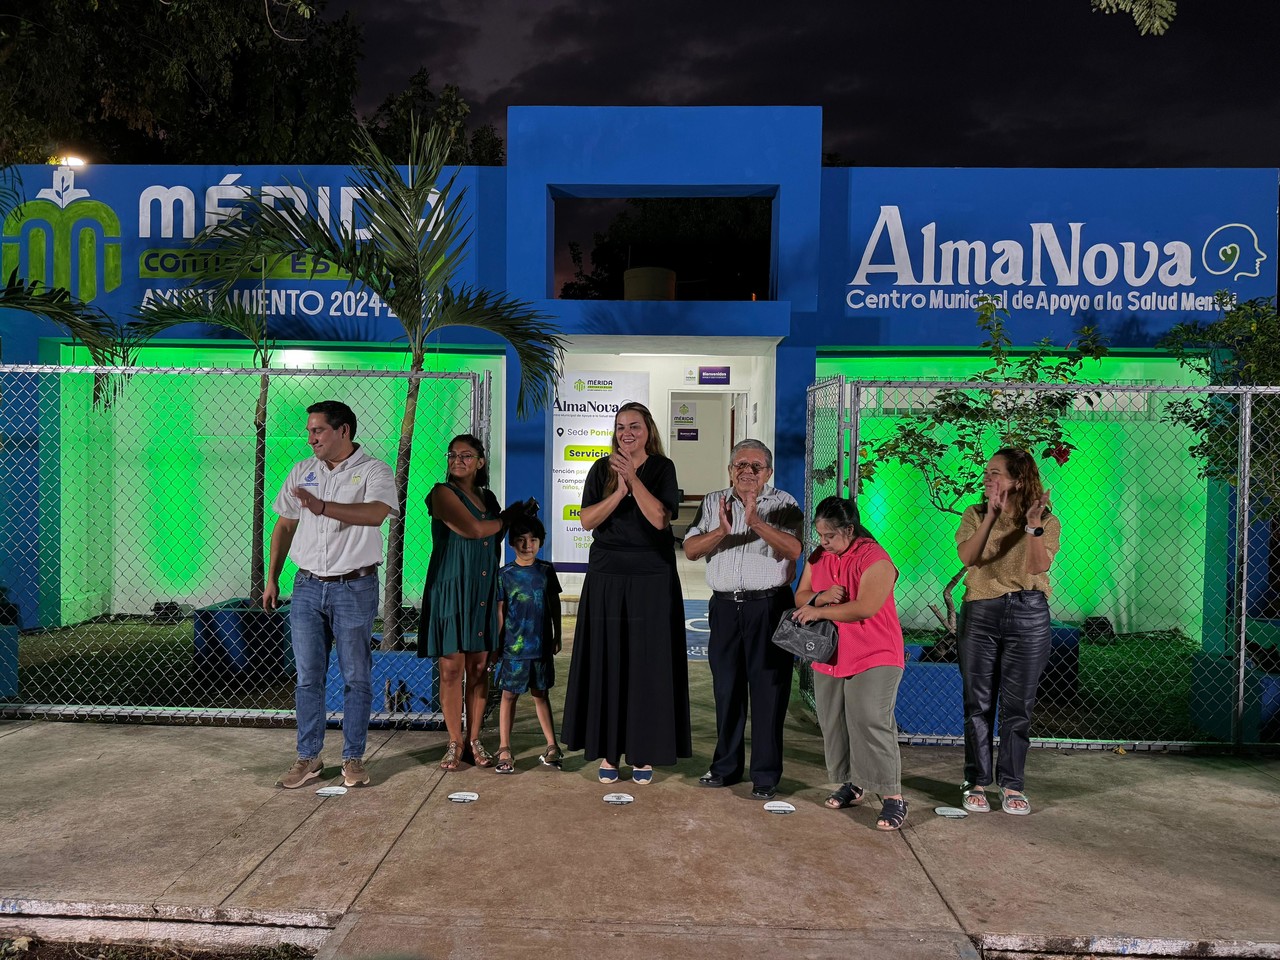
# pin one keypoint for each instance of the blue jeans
(1004, 646)
(320, 616)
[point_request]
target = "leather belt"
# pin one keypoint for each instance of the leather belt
(738, 596)
(341, 577)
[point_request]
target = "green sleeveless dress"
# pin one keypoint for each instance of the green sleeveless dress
(460, 600)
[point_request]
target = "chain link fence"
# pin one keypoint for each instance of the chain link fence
(133, 502)
(825, 437)
(1165, 600)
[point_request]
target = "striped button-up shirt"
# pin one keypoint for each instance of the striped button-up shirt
(743, 560)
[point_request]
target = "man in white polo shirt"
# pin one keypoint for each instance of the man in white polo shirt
(750, 535)
(331, 509)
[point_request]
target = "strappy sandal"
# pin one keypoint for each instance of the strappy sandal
(480, 756)
(847, 795)
(506, 762)
(1009, 797)
(553, 756)
(449, 761)
(975, 798)
(893, 814)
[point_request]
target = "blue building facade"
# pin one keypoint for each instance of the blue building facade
(862, 259)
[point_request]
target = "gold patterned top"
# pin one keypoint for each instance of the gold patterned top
(1003, 567)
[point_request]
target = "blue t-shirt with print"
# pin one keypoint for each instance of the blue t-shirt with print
(525, 594)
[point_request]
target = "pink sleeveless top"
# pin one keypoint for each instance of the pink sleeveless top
(874, 642)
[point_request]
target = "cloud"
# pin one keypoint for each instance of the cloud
(1003, 83)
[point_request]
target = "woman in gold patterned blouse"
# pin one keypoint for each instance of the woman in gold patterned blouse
(1007, 543)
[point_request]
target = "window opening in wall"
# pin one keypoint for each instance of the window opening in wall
(663, 248)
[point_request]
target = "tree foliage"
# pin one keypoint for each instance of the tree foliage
(391, 125)
(950, 438)
(202, 81)
(1152, 16)
(1239, 348)
(190, 81)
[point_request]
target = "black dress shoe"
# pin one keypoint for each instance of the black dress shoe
(762, 792)
(710, 780)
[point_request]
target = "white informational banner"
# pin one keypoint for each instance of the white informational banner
(581, 433)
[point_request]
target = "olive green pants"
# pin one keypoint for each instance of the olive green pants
(859, 734)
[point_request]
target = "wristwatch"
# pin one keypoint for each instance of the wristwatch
(1034, 531)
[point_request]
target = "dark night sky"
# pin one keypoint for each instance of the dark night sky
(901, 83)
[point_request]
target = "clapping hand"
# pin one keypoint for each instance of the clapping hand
(998, 499)
(620, 463)
(1037, 510)
(726, 517)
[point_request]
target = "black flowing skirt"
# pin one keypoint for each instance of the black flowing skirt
(628, 690)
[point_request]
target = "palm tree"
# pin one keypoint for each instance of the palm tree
(417, 238)
(234, 316)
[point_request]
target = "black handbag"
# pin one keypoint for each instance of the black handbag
(812, 641)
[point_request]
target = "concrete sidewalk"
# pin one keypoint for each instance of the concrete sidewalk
(155, 832)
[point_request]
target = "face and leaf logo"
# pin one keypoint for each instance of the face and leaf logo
(1233, 249)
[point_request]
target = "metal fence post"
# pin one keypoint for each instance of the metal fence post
(855, 438)
(1243, 511)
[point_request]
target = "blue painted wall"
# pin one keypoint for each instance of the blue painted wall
(862, 256)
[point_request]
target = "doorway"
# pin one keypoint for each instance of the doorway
(703, 428)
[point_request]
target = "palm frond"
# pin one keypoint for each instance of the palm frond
(537, 346)
(107, 344)
(157, 317)
(415, 225)
(86, 324)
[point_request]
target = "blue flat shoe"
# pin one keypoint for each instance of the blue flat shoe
(642, 776)
(608, 774)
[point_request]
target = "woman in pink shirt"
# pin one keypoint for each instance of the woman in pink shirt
(849, 580)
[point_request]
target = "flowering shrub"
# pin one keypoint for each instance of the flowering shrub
(951, 437)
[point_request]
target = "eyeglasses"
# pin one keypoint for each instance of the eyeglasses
(464, 457)
(742, 465)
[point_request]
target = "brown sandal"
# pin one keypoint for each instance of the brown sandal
(449, 761)
(553, 756)
(506, 761)
(481, 756)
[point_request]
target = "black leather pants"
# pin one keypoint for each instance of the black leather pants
(1004, 646)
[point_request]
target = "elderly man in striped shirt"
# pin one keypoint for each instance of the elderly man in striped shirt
(750, 536)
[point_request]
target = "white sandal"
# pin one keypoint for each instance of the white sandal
(975, 798)
(1007, 797)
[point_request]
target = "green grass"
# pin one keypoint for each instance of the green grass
(137, 663)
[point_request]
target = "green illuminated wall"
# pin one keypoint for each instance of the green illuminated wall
(155, 494)
(1133, 510)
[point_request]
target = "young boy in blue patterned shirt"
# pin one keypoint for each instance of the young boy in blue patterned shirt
(529, 623)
